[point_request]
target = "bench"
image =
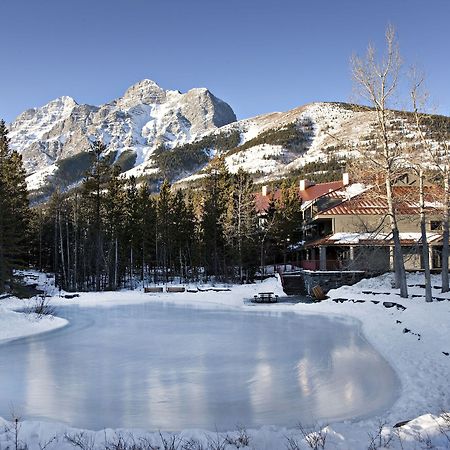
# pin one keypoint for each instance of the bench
(149, 290)
(175, 289)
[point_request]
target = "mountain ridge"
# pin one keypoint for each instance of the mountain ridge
(137, 123)
(152, 133)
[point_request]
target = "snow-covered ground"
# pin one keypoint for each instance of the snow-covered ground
(415, 341)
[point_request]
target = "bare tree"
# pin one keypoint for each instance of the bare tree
(417, 162)
(377, 81)
(437, 150)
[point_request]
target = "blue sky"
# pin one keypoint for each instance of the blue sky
(257, 55)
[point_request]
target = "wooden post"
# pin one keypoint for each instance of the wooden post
(323, 258)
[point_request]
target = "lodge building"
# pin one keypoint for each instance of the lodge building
(346, 226)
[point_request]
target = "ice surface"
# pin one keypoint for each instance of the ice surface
(159, 366)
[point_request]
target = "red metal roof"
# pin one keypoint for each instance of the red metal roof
(317, 190)
(373, 201)
(311, 193)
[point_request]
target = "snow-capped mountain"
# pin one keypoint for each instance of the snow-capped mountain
(135, 125)
(155, 134)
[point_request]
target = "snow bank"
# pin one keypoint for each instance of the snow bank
(15, 325)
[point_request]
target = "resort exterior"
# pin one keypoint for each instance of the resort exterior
(345, 225)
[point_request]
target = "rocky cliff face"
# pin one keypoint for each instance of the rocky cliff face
(145, 118)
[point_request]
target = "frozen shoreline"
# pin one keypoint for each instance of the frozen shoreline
(417, 355)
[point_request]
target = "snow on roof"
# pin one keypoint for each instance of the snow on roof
(352, 190)
(373, 238)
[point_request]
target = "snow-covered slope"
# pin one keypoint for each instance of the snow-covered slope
(312, 139)
(278, 144)
(145, 118)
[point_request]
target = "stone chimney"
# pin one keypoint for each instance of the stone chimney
(305, 184)
(345, 179)
(264, 190)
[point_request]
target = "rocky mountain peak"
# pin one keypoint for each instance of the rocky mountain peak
(144, 92)
(55, 109)
(133, 127)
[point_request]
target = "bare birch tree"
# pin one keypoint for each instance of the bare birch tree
(445, 167)
(417, 163)
(376, 81)
(437, 151)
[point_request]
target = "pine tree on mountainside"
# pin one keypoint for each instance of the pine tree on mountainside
(92, 188)
(182, 232)
(241, 223)
(14, 210)
(164, 219)
(147, 229)
(194, 207)
(216, 195)
(132, 225)
(55, 210)
(266, 228)
(288, 219)
(114, 211)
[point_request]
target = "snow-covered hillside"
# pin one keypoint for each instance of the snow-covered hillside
(278, 144)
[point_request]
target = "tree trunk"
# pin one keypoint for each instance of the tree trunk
(263, 266)
(116, 261)
(55, 250)
(75, 255)
(68, 254)
(445, 234)
(131, 267)
(400, 274)
(425, 247)
(62, 251)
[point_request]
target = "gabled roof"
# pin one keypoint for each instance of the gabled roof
(317, 190)
(309, 194)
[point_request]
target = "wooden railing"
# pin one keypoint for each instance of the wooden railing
(332, 264)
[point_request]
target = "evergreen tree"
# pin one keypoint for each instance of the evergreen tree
(164, 221)
(114, 212)
(93, 194)
(216, 194)
(147, 229)
(241, 223)
(182, 232)
(132, 225)
(14, 210)
(266, 231)
(288, 220)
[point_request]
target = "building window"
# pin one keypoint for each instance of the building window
(435, 225)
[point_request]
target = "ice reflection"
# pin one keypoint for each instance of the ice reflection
(165, 367)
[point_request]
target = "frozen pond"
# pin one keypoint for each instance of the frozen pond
(158, 366)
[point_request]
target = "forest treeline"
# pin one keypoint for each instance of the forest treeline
(111, 232)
